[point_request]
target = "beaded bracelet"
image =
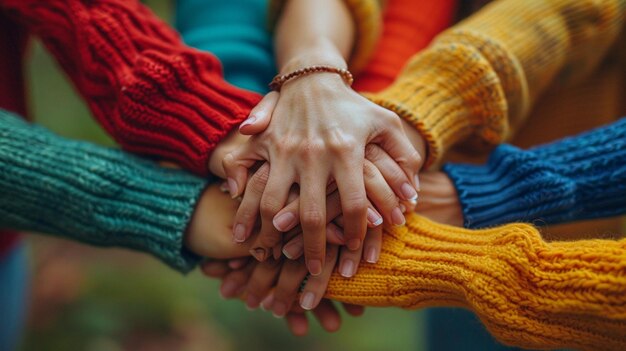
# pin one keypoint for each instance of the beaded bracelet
(279, 80)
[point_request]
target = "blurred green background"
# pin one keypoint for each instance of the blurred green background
(86, 298)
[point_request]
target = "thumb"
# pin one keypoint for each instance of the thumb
(260, 116)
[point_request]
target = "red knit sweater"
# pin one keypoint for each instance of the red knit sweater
(152, 93)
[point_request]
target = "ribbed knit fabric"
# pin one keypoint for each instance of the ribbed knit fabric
(527, 292)
(96, 195)
(236, 32)
(581, 177)
(408, 27)
(367, 16)
(12, 97)
(482, 76)
(154, 95)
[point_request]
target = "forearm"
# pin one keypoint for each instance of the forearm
(576, 178)
(92, 194)
(154, 95)
(312, 33)
(527, 292)
(481, 77)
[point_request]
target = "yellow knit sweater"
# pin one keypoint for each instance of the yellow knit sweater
(481, 77)
(528, 293)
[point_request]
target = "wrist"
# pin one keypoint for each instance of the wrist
(315, 52)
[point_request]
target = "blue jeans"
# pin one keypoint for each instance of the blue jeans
(13, 294)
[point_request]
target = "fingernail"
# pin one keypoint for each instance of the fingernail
(268, 302)
(239, 233)
(315, 267)
(229, 289)
(414, 201)
(354, 244)
(372, 255)
(279, 310)
(408, 192)
(259, 253)
(224, 188)
(284, 221)
(417, 183)
(307, 300)
(252, 302)
(232, 187)
(374, 218)
(347, 268)
(397, 217)
(293, 249)
(248, 121)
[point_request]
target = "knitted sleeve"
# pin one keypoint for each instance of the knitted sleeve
(154, 95)
(581, 177)
(367, 20)
(527, 292)
(481, 77)
(92, 194)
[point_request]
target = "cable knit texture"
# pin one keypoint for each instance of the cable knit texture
(96, 195)
(481, 77)
(527, 292)
(367, 16)
(154, 95)
(575, 178)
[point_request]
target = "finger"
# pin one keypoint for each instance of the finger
(236, 165)
(315, 286)
(261, 281)
(248, 210)
(215, 268)
(353, 310)
(234, 283)
(353, 199)
(286, 290)
(328, 316)
(313, 219)
(260, 116)
(381, 195)
(273, 200)
(372, 244)
(394, 175)
(393, 140)
(298, 323)
(294, 248)
(349, 261)
(238, 263)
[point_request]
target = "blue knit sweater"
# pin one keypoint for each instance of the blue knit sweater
(236, 31)
(93, 194)
(576, 178)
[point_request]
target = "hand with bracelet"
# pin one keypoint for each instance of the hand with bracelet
(318, 136)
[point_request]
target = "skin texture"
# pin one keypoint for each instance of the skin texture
(312, 144)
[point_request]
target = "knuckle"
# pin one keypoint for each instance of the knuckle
(354, 204)
(317, 250)
(310, 148)
(312, 219)
(372, 151)
(259, 180)
(269, 206)
(369, 171)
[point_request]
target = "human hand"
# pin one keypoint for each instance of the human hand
(209, 233)
(239, 279)
(439, 200)
(317, 149)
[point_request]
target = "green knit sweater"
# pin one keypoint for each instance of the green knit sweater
(96, 195)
